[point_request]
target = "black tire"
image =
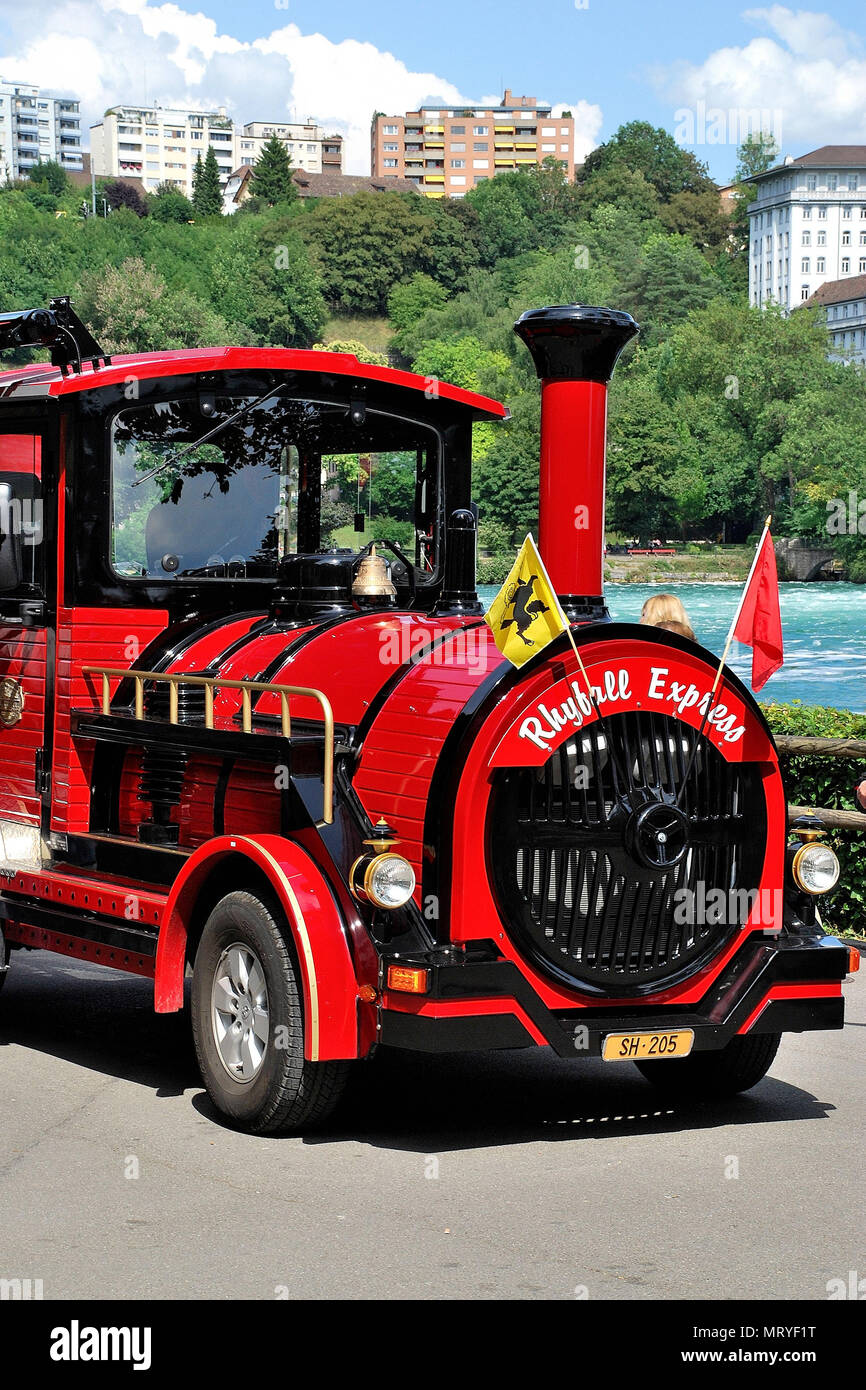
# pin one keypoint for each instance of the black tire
(4, 958)
(711, 1075)
(286, 1092)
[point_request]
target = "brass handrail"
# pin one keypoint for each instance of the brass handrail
(247, 688)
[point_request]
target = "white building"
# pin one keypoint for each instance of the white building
(36, 127)
(845, 305)
(161, 144)
(807, 225)
(308, 146)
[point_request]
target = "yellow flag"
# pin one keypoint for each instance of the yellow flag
(526, 614)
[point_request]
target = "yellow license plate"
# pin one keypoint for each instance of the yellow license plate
(634, 1047)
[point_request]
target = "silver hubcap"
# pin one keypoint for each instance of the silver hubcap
(239, 1012)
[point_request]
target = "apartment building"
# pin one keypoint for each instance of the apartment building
(446, 151)
(161, 145)
(308, 146)
(807, 225)
(36, 127)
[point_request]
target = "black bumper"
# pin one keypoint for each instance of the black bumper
(489, 1003)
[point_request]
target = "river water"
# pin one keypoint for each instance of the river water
(823, 628)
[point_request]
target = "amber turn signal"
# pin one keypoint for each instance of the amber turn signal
(407, 979)
(853, 960)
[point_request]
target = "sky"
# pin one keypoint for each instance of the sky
(705, 72)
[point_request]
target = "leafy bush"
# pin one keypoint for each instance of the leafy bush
(829, 782)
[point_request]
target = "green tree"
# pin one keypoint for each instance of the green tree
(409, 301)
(756, 155)
(206, 192)
(262, 277)
(168, 204)
(669, 280)
(700, 217)
(50, 176)
(130, 308)
(357, 349)
(272, 180)
(364, 245)
(652, 152)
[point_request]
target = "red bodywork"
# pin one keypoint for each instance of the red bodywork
(400, 684)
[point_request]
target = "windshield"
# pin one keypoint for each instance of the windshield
(225, 486)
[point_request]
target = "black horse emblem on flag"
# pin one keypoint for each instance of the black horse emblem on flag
(525, 612)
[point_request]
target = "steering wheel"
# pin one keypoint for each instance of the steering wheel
(411, 577)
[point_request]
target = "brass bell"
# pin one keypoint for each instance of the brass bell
(372, 579)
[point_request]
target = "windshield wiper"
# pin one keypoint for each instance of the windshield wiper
(206, 438)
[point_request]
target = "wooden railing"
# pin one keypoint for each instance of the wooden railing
(247, 689)
(803, 746)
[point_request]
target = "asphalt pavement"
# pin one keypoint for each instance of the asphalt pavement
(474, 1177)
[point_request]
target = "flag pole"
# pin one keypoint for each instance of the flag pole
(583, 671)
(721, 667)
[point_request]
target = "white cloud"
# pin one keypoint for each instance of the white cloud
(587, 125)
(108, 51)
(806, 69)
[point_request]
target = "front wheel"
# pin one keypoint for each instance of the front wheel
(711, 1075)
(248, 1025)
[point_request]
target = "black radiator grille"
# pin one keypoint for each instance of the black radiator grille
(568, 881)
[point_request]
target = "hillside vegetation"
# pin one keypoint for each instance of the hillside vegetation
(719, 414)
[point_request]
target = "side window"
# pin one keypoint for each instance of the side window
(21, 515)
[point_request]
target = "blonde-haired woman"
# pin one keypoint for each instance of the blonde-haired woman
(661, 609)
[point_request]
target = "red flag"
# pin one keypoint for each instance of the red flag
(759, 625)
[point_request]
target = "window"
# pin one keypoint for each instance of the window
(458, 130)
(390, 163)
(846, 238)
(822, 213)
(564, 130)
(458, 146)
(389, 130)
(20, 515)
(862, 266)
(807, 238)
(548, 149)
(481, 146)
(481, 178)
(481, 164)
(234, 505)
(846, 214)
(805, 265)
(832, 182)
(807, 214)
(480, 130)
(548, 130)
(821, 265)
(390, 145)
(846, 265)
(458, 178)
(153, 149)
(804, 292)
(563, 149)
(458, 164)
(822, 238)
(811, 182)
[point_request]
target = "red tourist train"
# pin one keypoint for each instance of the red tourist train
(254, 730)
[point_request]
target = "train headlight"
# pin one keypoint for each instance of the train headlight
(386, 880)
(815, 868)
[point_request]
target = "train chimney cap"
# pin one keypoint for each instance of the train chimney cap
(575, 342)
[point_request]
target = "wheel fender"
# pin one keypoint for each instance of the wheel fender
(329, 981)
